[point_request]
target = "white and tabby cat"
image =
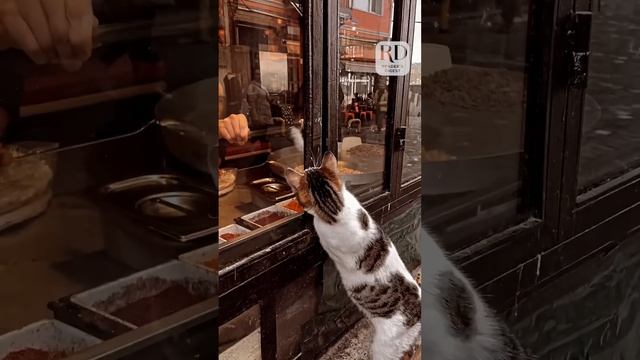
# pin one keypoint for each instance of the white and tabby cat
(372, 272)
(458, 323)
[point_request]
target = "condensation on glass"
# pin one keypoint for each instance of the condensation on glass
(363, 95)
(473, 115)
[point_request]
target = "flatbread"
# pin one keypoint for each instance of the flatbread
(22, 181)
(226, 179)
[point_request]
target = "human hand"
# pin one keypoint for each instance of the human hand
(234, 129)
(49, 31)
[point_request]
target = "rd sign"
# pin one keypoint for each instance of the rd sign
(393, 58)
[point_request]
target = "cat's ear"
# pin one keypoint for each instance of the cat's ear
(330, 162)
(293, 178)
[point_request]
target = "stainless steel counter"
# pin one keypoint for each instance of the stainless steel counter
(54, 255)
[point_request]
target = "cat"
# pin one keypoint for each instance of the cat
(458, 323)
(373, 274)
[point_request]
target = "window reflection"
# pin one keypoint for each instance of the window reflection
(104, 175)
(412, 153)
(473, 88)
(363, 95)
(610, 144)
(260, 83)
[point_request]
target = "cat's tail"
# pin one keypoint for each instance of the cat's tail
(295, 134)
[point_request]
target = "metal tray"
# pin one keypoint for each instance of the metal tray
(199, 256)
(96, 299)
(132, 196)
(233, 228)
(275, 208)
(48, 335)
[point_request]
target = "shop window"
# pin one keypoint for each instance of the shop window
(412, 155)
(363, 104)
(261, 79)
(473, 84)
(374, 6)
(610, 127)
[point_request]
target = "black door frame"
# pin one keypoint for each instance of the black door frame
(567, 227)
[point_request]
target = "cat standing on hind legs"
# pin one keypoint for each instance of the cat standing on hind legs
(371, 270)
(458, 323)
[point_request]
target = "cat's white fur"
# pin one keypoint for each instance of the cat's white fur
(438, 342)
(295, 134)
(345, 241)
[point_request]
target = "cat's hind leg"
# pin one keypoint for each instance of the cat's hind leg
(391, 339)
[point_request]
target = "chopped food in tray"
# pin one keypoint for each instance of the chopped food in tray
(173, 298)
(231, 233)
(152, 298)
(35, 354)
(230, 236)
(475, 88)
(268, 217)
(293, 205)
(367, 151)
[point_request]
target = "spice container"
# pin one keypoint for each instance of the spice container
(149, 295)
(49, 338)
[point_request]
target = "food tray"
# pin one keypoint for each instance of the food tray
(275, 208)
(109, 297)
(48, 335)
(233, 228)
(285, 202)
(200, 256)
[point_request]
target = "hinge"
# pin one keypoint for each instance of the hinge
(400, 138)
(579, 38)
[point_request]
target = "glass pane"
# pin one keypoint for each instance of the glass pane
(411, 158)
(261, 76)
(105, 172)
(473, 85)
(364, 100)
(361, 4)
(611, 118)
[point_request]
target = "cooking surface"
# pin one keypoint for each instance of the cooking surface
(235, 204)
(46, 259)
(63, 251)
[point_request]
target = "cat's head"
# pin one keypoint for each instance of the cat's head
(319, 189)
